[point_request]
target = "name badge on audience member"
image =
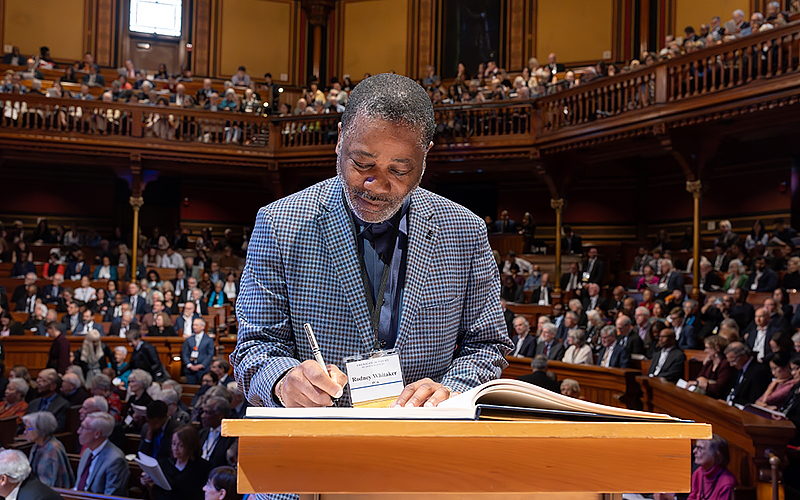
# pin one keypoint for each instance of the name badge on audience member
(375, 379)
(586, 276)
(543, 302)
(194, 354)
(753, 286)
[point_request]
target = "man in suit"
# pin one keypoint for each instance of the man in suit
(540, 376)
(369, 214)
(777, 320)
(686, 334)
(49, 399)
(593, 269)
(571, 243)
(137, 302)
(149, 319)
(50, 292)
(88, 324)
(122, 328)
(201, 305)
(592, 299)
(571, 282)
(758, 335)
(197, 352)
(553, 67)
(183, 324)
(642, 259)
(102, 468)
(762, 279)
(709, 280)
(179, 283)
(192, 271)
(16, 480)
(668, 360)
(628, 337)
(156, 438)
(186, 294)
(72, 390)
(570, 322)
(670, 280)
(239, 404)
(721, 259)
(21, 291)
(504, 224)
(752, 379)
(543, 294)
(213, 445)
(524, 343)
(508, 317)
(221, 368)
(548, 345)
(145, 355)
(94, 79)
(612, 354)
(72, 319)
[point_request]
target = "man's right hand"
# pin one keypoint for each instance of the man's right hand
(308, 385)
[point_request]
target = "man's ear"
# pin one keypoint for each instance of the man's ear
(339, 139)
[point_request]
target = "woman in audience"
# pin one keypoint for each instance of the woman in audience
(712, 480)
(123, 370)
(102, 386)
(21, 372)
(202, 261)
(72, 237)
(716, 376)
(579, 352)
(217, 297)
(94, 355)
(185, 471)
(154, 279)
(782, 301)
(105, 271)
(111, 288)
(100, 303)
(138, 382)
(8, 326)
(659, 312)
(170, 304)
(649, 278)
(594, 323)
(570, 387)
(648, 299)
(151, 259)
(205, 284)
(231, 287)
(162, 74)
(781, 342)
(69, 75)
(162, 327)
(48, 457)
(14, 404)
(736, 277)
(780, 389)
(221, 484)
(791, 279)
(757, 236)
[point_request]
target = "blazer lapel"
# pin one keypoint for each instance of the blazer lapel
(337, 232)
(423, 234)
(98, 464)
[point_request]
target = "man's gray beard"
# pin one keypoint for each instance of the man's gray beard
(370, 217)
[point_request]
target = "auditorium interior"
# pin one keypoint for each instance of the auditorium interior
(610, 145)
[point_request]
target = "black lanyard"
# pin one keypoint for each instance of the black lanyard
(375, 305)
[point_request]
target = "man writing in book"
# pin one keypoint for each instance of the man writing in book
(324, 255)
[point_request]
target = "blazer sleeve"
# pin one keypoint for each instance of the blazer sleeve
(482, 341)
(207, 354)
(117, 473)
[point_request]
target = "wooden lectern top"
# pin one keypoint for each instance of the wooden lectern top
(485, 456)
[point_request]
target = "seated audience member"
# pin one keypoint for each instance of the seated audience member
(736, 277)
(105, 271)
(102, 467)
(9, 326)
(540, 376)
(117, 307)
(570, 387)
(102, 387)
(548, 345)
(231, 287)
(668, 359)
(123, 368)
(51, 292)
(183, 324)
(149, 318)
(48, 457)
(783, 232)
(94, 356)
(611, 354)
(197, 352)
(171, 398)
(88, 324)
(578, 352)
(162, 327)
(791, 280)
(138, 382)
(37, 322)
(709, 280)
(571, 243)
(137, 303)
(14, 404)
(593, 269)
(85, 293)
(27, 300)
(752, 378)
(48, 383)
(72, 389)
(628, 336)
(511, 291)
(648, 278)
(648, 299)
(21, 372)
(685, 334)
(641, 260)
(717, 375)
(524, 343)
(172, 259)
(239, 403)
(571, 281)
(221, 484)
(157, 432)
(221, 367)
(145, 356)
(671, 278)
(72, 318)
(185, 471)
(780, 388)
(763, 278)
(124, 325)
(511, 258)
(214, 446)
(712, 479)
(758, 336)
(781, 342)
(18, 481)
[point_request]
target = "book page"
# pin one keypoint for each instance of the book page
(151, 467)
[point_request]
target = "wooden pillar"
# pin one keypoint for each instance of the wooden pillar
(695, 188)
(558, 206)
(317, 12)
(136, 202)
(317, 50)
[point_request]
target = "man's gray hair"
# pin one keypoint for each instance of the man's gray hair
(550, 327)
(233, 388)
(626, 320)
(219, 404)
(739, 349)
(174, 385)
(692, 302)
(101, 381)
(795, 337)
(608, 330)
(643, 311)
(394, 98)
(732, 324)
(168, 396)
(101, 421)
(539, 362)
(99, 403)
(43, 422)
(14, 465)
(576, 303)
(573, 315)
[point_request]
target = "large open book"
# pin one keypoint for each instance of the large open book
(497, 399)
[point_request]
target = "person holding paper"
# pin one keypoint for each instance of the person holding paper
(373, 262)
(185, 471)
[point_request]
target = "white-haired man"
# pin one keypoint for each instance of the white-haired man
(102, 468)
(16, 481)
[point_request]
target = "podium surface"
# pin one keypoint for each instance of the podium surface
(485, 456)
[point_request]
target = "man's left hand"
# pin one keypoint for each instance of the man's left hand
(423, 392)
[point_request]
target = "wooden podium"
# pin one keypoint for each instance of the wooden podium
(362, 458)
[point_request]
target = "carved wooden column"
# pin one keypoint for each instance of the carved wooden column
(318, 13)
(558, 206)
(695, 187)
(136, 202)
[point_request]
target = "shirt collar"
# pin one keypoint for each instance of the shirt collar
(97, 450)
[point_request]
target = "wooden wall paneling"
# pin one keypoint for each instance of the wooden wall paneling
(89, 29)
(104, 33)
(202, 37)
(425, 41)
(593, 19)
(515, 59)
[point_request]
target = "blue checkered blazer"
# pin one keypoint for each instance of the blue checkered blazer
(302, 267)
